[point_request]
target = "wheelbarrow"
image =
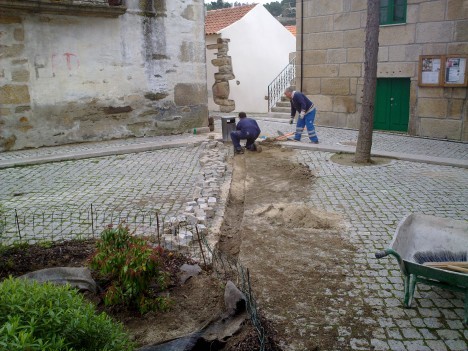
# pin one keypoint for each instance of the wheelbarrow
(418, 233)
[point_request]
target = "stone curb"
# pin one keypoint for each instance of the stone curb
(78, 155)
(397, 155)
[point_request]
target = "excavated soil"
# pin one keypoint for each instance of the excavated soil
(298, 255)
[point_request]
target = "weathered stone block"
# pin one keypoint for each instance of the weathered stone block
(354, 38)
(315, 71)
(412, 13)
(190, 94)
(223, 102)
(345, 104)
(323, 102)
(435, 108)
(347, 21)
(191, 13)
(383, 54)
(395, 53)
(322, 7)
(459, 93)
(396, 69)
(430, 92)
(461, 31)
(222, 61)
(456, 9)
(396, 35)
(311, 85)
(156, 96)
(20, 76)
(5, 19)
(441, 32)
(14, 94)
(358, 5)
(315, 57)
(441, 128)
(224, 76)
(227, 109)
(336, 56)
(11, 50)
(20, 109)
(328, 40)
(431, 11)
(457, 48)
(355, 54)
(351, 70)
(335, 86)
(319, 24)
(221, 90)
(455, 108)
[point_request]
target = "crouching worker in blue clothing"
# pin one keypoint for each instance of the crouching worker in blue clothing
(306, 109)
(248, 129)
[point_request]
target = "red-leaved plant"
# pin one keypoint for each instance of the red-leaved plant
(132, 266)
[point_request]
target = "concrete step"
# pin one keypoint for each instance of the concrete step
(279, 115)
(281, 109)
(283, 104)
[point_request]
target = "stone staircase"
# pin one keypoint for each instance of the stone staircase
(282, 109)
(278, 104)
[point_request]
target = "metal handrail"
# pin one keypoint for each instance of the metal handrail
(280, 83)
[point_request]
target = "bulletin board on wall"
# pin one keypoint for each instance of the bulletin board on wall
(443, 70)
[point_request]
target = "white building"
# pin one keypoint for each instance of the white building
(259, 48)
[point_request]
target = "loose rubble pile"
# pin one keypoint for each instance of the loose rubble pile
(179, 230)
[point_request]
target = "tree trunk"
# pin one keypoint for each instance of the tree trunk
(364, 142)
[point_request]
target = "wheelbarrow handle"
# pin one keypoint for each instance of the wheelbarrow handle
(386, 252)
(381, 254)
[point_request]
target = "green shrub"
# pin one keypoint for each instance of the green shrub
(131, 265)
(48, 317)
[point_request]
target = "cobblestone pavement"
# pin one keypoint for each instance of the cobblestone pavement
(146, 182)
(373, 199)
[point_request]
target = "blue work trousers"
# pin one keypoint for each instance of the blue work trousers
(308, 122)
(238, 135)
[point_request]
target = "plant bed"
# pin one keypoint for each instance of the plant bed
(192, 304)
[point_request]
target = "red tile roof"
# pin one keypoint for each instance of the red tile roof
(218, 19)
(292, 29)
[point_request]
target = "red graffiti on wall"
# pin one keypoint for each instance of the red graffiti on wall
(70, 58)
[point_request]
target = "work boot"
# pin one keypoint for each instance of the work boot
(258, 148)
(239, 151)
(252, 147)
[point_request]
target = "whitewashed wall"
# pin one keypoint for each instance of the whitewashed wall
(68, 78)
(259, 47)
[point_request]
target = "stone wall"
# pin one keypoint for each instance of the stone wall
(100, 74)
(333, 55)
(220, 87)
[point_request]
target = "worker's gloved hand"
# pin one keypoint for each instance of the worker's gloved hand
(291, 120)
(301, 115)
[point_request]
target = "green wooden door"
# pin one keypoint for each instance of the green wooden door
(392, 104)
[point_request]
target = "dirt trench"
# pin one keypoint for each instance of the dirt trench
(298, 255)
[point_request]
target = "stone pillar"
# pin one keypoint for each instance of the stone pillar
(221, 85)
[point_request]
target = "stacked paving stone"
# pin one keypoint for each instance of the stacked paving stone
(202, 208)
